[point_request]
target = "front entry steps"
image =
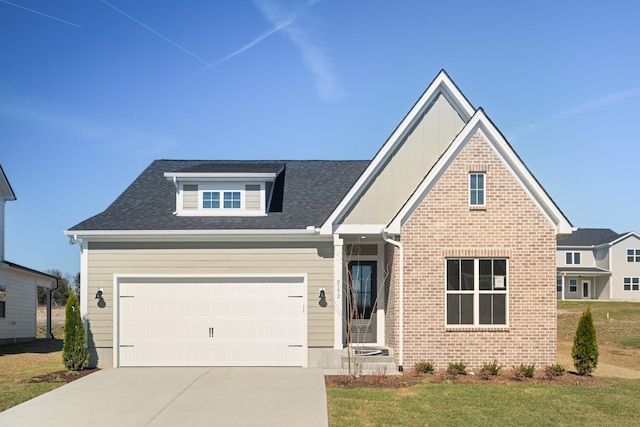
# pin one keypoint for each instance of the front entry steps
(364, 361)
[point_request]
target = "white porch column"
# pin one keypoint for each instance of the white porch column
(562, 293)
(337, 292)
(48, 305)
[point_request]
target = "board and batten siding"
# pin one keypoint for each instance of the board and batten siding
(408, 166)
(20, 306)
(312, 258)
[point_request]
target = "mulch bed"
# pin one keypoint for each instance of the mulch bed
(411, 378)
(60, 376)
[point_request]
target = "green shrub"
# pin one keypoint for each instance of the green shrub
(75, 355)
(455, 368)
(555, 370)
(490, 369)
(423, 367)
(585, 345)
(524, 371)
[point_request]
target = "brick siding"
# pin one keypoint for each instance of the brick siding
(511, 226)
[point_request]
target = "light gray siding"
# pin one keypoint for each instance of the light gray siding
(20, 306)
(252, 197)
(622, 268)
(190, 197)
(312, 258)
(417, 154)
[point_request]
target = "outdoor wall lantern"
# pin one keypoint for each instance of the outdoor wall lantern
(99, 294)
(323, 298)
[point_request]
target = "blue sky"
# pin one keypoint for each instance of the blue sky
(92, 91)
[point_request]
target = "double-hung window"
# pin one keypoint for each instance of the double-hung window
(476, 188)
(633, 255)
(476, 292)
(573, 258)
(573, 285)
(232, 200)
(631, 283)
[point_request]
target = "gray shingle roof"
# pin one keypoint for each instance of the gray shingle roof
(305, 194)
(589, 237)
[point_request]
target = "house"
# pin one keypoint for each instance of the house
(18, 287)
(442, 248)
(598, 263)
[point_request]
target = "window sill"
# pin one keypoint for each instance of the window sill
(476, 329)
(477, 208)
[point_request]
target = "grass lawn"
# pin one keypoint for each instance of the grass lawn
(21, 362)
(534, 404)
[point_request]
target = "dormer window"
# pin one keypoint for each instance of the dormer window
(220, 193)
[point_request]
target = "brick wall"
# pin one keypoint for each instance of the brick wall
(444, 226)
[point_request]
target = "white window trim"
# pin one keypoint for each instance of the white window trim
(484, 190)
(476, 296)
(221, 187)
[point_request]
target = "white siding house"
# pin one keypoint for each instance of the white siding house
(598, 263)
(18, 287)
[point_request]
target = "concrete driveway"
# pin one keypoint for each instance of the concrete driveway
(180, 397)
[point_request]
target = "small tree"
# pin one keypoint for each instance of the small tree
(585, 345)
(74, 351)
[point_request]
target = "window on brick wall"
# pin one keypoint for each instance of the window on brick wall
(476, 292)
(476, 189)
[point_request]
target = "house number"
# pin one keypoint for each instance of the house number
(338, 289)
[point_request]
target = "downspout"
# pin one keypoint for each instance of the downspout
(400, 297)
(49, 334)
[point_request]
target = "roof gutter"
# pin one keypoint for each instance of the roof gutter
(400, 297)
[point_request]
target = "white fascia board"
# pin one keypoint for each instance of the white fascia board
(442, 84)
(359, 228)
(481, 123)
(220, 176)
(195, 235)
(624, 236)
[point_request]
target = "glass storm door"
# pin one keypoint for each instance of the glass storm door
(361, 304)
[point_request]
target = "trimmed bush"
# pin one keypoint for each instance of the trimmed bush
(585, 345)
(490, 369)
(455, 368)
(423, 367)
(524, 371)
(75, 355)
(556, 370)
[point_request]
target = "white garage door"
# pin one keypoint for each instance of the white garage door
(230, 322)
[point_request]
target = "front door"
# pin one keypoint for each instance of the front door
(586, 288)
(361, 304)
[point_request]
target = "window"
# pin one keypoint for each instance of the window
(573, 257)
(476, 292)
(476, 188)
(573, 285)
(362, 276)
(211, 200)
(631, 283)
(558, 285)
(3, 296)
(232, 200)
(633, 255)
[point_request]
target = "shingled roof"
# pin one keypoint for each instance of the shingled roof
(305, 193)
(589, 237)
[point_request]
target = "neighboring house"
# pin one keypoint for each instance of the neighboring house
(447, 240)
(18, 287)
(598, 263)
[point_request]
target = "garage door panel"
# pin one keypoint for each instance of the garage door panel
(246, 323)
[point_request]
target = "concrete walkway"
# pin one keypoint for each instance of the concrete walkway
(160, 397)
